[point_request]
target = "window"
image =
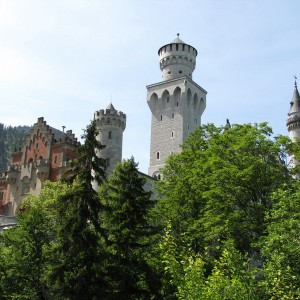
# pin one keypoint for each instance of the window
(169, 72)
(188, 127)
(1, 195)
(196, 121)
(157, 155)
(161, 117)
(176, 47)
(55, 159)
(172, 134)
(177, 104)
(107, 161)
(167, 99)
(109, 134)
(182, 47)
(36, 145)
(180, 72)
(173, 115)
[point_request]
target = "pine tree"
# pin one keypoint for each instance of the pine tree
(128, 231)
(79, 249)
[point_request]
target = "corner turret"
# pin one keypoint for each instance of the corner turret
(293, 121)
(111, 125)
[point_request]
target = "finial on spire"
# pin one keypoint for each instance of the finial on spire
(295, 80)
(63, 127)
(178, 35)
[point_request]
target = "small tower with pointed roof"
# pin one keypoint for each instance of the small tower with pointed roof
(111, 125)
(176, 102)
(293, 121)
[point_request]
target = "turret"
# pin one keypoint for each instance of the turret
(111, 125)
(293, 121)
(177, 59)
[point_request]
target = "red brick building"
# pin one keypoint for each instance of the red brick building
(43, 156)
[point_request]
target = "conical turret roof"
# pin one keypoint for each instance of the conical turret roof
(295, 103)
(110, 106)
(178, 41)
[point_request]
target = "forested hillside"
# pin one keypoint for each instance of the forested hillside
(10, 139)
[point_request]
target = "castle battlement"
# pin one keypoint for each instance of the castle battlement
(110, 117)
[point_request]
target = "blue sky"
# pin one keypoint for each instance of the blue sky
(65, 59)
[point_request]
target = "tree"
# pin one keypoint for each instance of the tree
(79, 250)
(281, 245)
(219, 188)
(25, 250)
(125, 220)
(232, 276)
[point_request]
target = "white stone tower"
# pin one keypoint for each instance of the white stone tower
(293, 121)
(176, 103)
(111, 125)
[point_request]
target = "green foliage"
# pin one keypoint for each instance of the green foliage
(232, 276)
(281, 247)
(10, 139)
(128, 233)
(219, 187)
(25, 250)
(228, 203)
(78, 271)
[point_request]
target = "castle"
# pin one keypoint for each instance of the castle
(176, 104)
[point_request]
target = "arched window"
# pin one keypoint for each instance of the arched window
(196, 102)
(165, 98)
(189, 97)
(177, 94)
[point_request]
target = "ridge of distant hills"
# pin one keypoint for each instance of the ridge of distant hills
(11, 138)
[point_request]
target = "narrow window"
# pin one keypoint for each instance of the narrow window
(161, 117)
(36, 145)
(177, 104)
(167, 99)
(176, 47)
(170, 47)
(172, 134)
(55, 159)
(109, 134)
(180, 72)
(172, 115)
(157, 155)
(188, 127)
(182, 47)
